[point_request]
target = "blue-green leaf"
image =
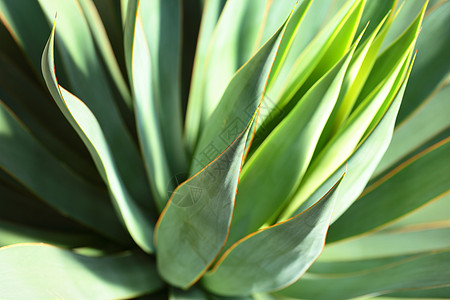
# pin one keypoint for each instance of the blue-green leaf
(274, 257)
(195, 223)
(137, 220)
(40, 271)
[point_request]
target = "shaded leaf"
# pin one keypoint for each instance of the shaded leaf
(24, 158)
(138, 222)
(50, 272)
(161, 22)
(89, 82)
(139, 64)
(210, 16)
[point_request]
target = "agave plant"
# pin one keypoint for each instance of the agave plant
(133, 167)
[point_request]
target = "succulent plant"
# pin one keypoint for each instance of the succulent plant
(258, 168)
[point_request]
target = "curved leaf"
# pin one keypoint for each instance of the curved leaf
(24, 158)
(240, 100)
(361, 163)
(50, 272)
(89, 81)
(409, 186)
(255, 265)
(344, 142)
(137, 220)
(286, 154)
(415, 131)
(100, 37)
(194, 225)
(424, 271)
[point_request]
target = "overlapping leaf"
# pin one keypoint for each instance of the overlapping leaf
(194, 226)
(423, 271)
(88, 81)
(383, 90)
(138, 221)
(273, 257)
(298, 133)
(24, 158)
(140, 72)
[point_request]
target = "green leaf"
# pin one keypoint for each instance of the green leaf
(327, 48)
(237, 105)
(341, 145)
(433, 63)
(44, 120)
(435, 293)
(402, 241)
(409, 186)
(27, 25)
(232, 44)
(51, 272)
(309, 27)
(26, 209)
(195, 223)
(417, 130)
(423, 271)
(24, 158)
(161, 22)
(361, 162)
(137, 220)
(191, 294)
(210, 16)
(388, 59)
(101, 40)
(11, 233)
(286, 154)
(139, 64)
(435, 214)
(89, 82)
(255, 265)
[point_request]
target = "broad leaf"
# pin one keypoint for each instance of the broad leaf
(194, 225)
(137, 220)
(433, 63)
(409, 186)
(402, 241)
(39, 271)
(286, 154)
(423, 271)
(417, 131)
(255, 265)
(240, 100)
